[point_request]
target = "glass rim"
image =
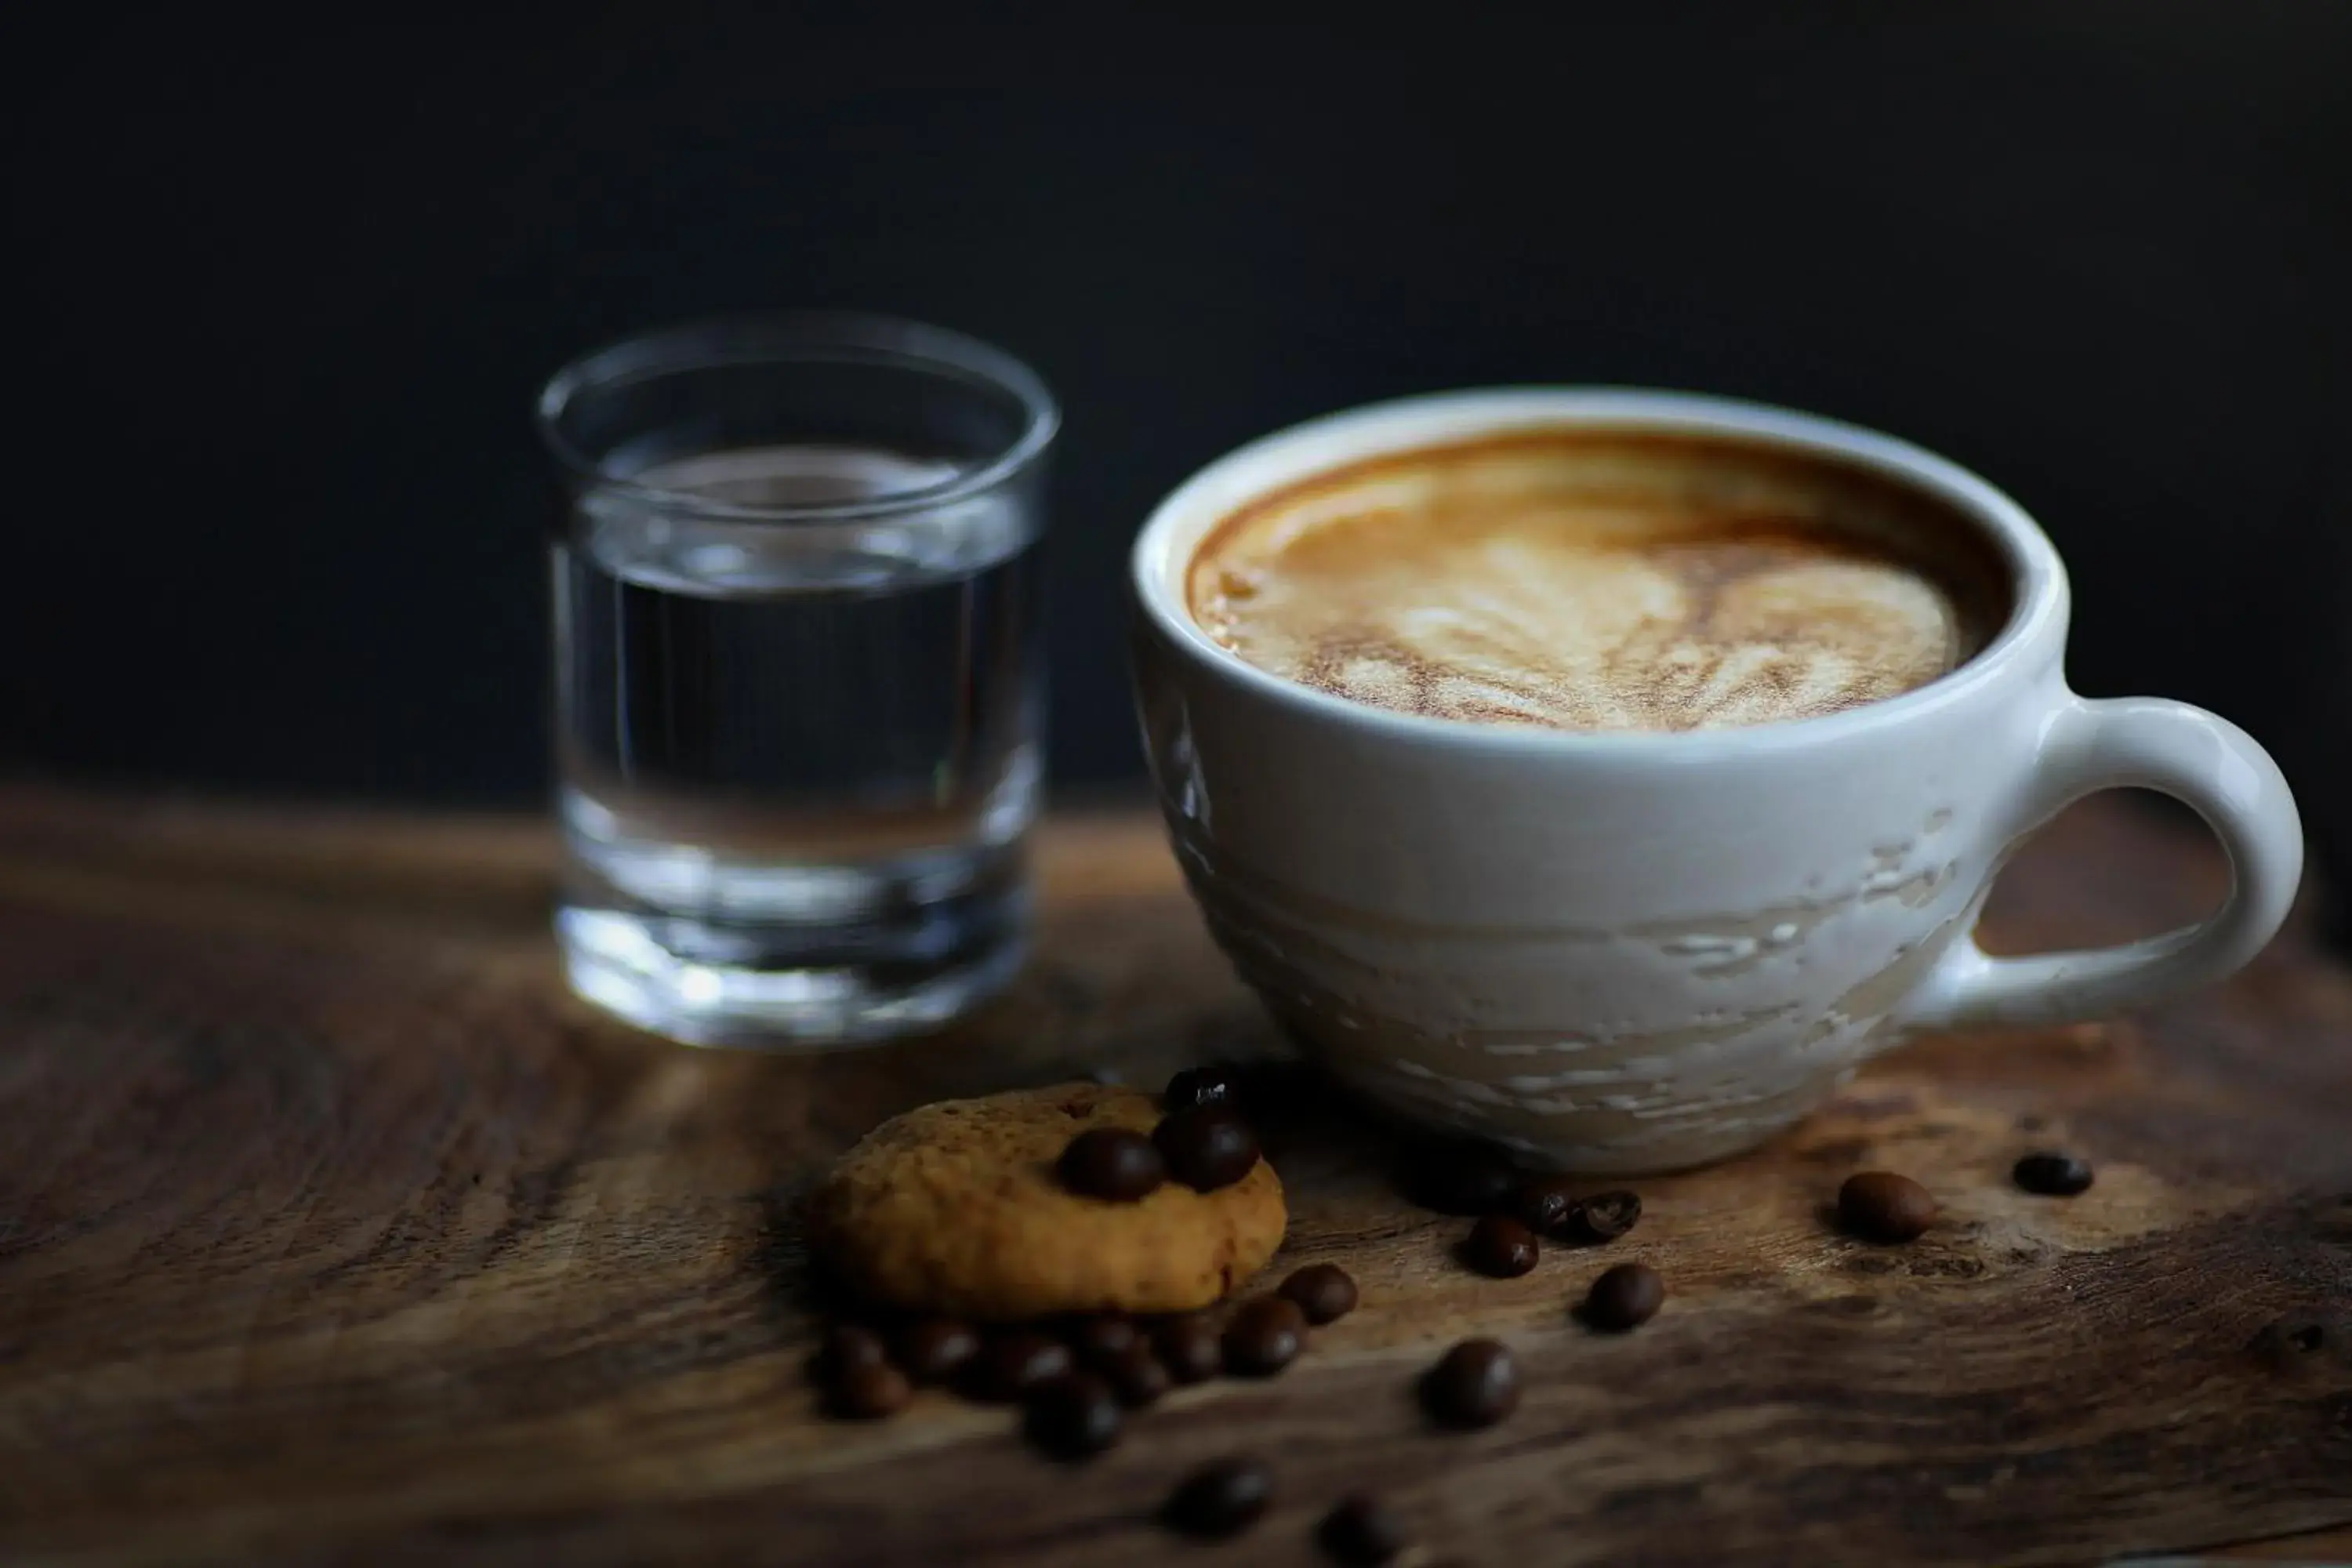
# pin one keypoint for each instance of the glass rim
(816, 337)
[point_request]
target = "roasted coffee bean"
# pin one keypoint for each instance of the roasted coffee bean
(1500, 1246)
(1879, 1205)
(1138, 1377)
(1190, 1348)
(1323, 1291)
(1475, 1383)
(933, 1349)
(1547, 1206)
(1463, 1179)
(847, 1348)
(1362, 1530)
(1605, 1216)
(1116, 1164)
(2053, 1175)
(1207, 1147)
(1100, 1338)
(2285, 1344)
(1624, 1297)
(1073, 1418)
(867, 1392)
(1217, 1083)
(1264, 1336)
(1550, 1206)
(1012, 1365)
(1221, 1498)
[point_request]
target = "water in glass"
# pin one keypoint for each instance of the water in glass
(797, 760)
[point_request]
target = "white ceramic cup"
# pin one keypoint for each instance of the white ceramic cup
(1630, 953)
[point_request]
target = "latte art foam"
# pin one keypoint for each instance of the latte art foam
(1613, 586)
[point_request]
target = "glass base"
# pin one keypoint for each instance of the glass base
(700, 923)
(652, 971)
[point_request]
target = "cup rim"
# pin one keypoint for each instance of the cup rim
(1182, 518)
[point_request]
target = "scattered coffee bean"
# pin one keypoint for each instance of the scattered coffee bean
(1475, 1383)
(1014, 1363)
(1362, 1530)
(1207, 1147)
(1116, 1164)
(1624, 1297)
(1323, 1291)
(1547, 1206)
(1463, 1179)
(868, 1392)
(1217, 1083)
(1073, 1418)
(933, 1349)
(1219, 1499)
(1500, 1246)
(1264, 1336)
(1100, 1338)
(2286, 1342)
(1190, 1348)
(847, 1348)
(1605, 1216)
(1138, 1377)
(2053, 1175)
(1879, 1205)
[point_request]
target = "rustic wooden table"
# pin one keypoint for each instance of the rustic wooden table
(331, 1229)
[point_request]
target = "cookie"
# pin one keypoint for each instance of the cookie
(954, 1207)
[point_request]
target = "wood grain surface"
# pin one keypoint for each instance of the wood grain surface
(332, 1230)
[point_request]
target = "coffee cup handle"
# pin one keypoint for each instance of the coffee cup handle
(2205, 761)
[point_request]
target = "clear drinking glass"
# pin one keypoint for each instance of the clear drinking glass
(798, 696)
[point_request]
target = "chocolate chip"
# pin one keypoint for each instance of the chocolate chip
(1879, 1205)
(1462, 1178)
(1547, 1206)
(933, 1349)
(1116, 1164)
(1190, 1348)
(847, 1348)
(1013, 1363)
(1073, 1417)
(1362, 1530)
(1624, 1297)
(1264, 1336)
(1323, 1291)
(1217, 1083)
(867, 1392)
(1501, 1247)
(1138, 1377)
(1605, 1216)
(2053, 1175)
(1475, 1383)
(1207, 1147)
(1100, 1338)
(1219, 1499)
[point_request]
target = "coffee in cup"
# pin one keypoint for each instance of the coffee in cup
(1600, 581)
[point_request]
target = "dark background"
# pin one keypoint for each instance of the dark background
(283, 298)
